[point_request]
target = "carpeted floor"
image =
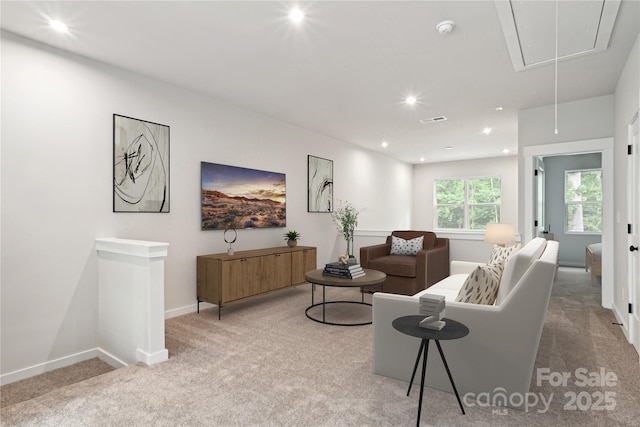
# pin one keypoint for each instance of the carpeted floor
(33, 387)
(266, 364)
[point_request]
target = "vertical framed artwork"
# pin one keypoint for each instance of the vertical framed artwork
(320, 184)
(140, 165)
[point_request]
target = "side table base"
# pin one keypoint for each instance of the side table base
(423, 351)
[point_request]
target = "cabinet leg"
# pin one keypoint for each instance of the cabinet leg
(198, 305)
(219, 309)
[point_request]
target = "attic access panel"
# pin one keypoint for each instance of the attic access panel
(529, 27)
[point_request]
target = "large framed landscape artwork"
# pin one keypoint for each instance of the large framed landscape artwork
(236, 197)
(140, 165)
(320, 184)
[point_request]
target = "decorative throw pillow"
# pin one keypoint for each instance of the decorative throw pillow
(400, 246)
(481, 287)
(502, 252)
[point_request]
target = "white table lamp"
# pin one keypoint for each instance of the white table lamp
(500, 234)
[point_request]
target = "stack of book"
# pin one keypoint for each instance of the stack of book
(432, 306)
(345, 271)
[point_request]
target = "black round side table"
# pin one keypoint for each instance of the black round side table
(410, 325)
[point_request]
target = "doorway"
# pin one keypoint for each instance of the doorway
(603, 145)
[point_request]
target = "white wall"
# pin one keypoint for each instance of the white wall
(590, 119)
(57, 190)
(464, 247)
(627, 103)
(585, 119)
(583, 126)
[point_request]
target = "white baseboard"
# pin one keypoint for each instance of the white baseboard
(186, 309)
(623, 319)
(106, 357)
(61, 362)
(152, 358)
(572, 264)
(110, 359)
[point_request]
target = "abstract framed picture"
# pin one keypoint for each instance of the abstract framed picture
(320, 184)
(140, 165)
(237, 197)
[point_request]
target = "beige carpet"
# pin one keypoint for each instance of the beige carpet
(33, 387)
(266, 364)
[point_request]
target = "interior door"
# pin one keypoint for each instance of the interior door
(633, 239)
(539, 189)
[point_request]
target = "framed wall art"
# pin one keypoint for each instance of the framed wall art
(140, 165)
(236, 197)
(320, 184)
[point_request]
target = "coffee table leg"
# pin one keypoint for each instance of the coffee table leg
(324, 303)
(444, 361)
(424, 370)
(415, 367)
(313, 291)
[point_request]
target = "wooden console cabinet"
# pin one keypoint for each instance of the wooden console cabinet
(223, 279)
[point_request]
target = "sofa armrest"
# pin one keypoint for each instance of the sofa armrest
(463, 267)
(432, 265)
(368, 253)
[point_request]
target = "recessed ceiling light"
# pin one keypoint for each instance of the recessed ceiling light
(58, 26)
(499, 108)
(296, 15)
(486, 131)
(448, 147)
(410, 100)
(384, 144)
(422, 159)
(505, 151)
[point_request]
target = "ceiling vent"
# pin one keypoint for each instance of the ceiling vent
(433, 119)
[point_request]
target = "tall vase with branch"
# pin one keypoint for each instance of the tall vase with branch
(346, 219)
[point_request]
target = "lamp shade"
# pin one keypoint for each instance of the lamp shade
(500, 234)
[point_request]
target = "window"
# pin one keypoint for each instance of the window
(467, 203)
(583, 201)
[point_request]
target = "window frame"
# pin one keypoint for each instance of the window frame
(585, 202)
(466, 226)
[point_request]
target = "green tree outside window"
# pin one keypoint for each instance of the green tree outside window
(467, 203)
(583, 201)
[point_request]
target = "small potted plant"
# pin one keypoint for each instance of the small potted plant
(291, 237)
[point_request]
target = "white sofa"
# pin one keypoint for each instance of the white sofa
(496, 359)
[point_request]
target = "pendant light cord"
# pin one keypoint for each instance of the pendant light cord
(556, 75)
